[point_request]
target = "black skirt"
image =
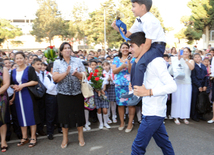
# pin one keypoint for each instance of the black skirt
(71, 110)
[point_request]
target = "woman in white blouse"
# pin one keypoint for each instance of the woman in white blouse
(181, 99)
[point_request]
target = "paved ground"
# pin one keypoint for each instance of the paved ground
(197, 138)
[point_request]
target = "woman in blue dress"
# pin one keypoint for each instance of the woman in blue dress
(121, 67)
(27, 110)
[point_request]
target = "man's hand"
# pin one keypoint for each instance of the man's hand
(200, 89)
(141, 91)
(204, 88)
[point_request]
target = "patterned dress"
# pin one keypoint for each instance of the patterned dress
(4, 104)
(121, 81)
(26, 107)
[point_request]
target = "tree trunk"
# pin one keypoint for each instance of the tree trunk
(50, 41)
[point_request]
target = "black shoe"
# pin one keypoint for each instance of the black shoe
(50, 137)
(134, 101)
(195, 119)
(41, 133)
(127, 95)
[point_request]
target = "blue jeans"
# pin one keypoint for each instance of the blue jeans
(138, 69)
(152, 126)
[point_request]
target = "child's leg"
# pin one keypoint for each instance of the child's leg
(155, 51)
(86, 117)
(105, 117)
(113, 110)
(99, 116)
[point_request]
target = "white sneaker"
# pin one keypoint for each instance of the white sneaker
(210, 121)
(89, 123)
(87, 128)
(109, 121)
(114, 120)
(107, 126)
(115, 116)
(166, 117)
(170, 117)
(101, 126)
(84, 129)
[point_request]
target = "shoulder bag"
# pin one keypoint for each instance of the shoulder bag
(86, 88)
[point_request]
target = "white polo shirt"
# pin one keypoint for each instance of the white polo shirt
(161, 82)
(151, 26)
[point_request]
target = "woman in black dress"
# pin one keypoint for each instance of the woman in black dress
(67, 73)
(4, 105)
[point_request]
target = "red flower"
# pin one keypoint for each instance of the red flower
(89, 78)
(97, 79)
(96, 71)
(95, 74)
(51, 47)
(91, 74)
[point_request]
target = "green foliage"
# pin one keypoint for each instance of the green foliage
(50, 53)
(95, 25)
(8, 31)
(49, 22)
(202, 16)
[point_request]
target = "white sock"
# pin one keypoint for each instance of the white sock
(113, 109)
(109, 111)
(138, 112)
(105, 117)
(86, 116)
(99, 116)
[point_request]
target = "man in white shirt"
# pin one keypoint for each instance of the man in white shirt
(157, 84)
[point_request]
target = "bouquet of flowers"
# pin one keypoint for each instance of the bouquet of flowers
(96, 81)
(50, 53)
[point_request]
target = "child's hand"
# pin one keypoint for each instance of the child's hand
(115, 26)
(103, 92)
(204, 88)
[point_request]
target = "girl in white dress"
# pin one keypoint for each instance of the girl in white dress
(181, 99)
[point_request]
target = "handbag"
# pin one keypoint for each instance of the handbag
(177, 69)
(86, 88)
(38, 90)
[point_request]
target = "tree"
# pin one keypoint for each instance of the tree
(49, 22)
(95, 25)
(202, 16)
(8, 31)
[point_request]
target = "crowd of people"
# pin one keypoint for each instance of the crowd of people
(63, 106)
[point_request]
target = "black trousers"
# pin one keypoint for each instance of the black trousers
(51, 112)
(15, 122)
(169, 103)
(194, 114)
(41, 107)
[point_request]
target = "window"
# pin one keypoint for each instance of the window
(212, 35)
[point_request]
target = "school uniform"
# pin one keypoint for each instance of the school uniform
(153, 30)
(41, 104)
(199, 79)
(110, 86)
(50, 103)
(159, 80)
